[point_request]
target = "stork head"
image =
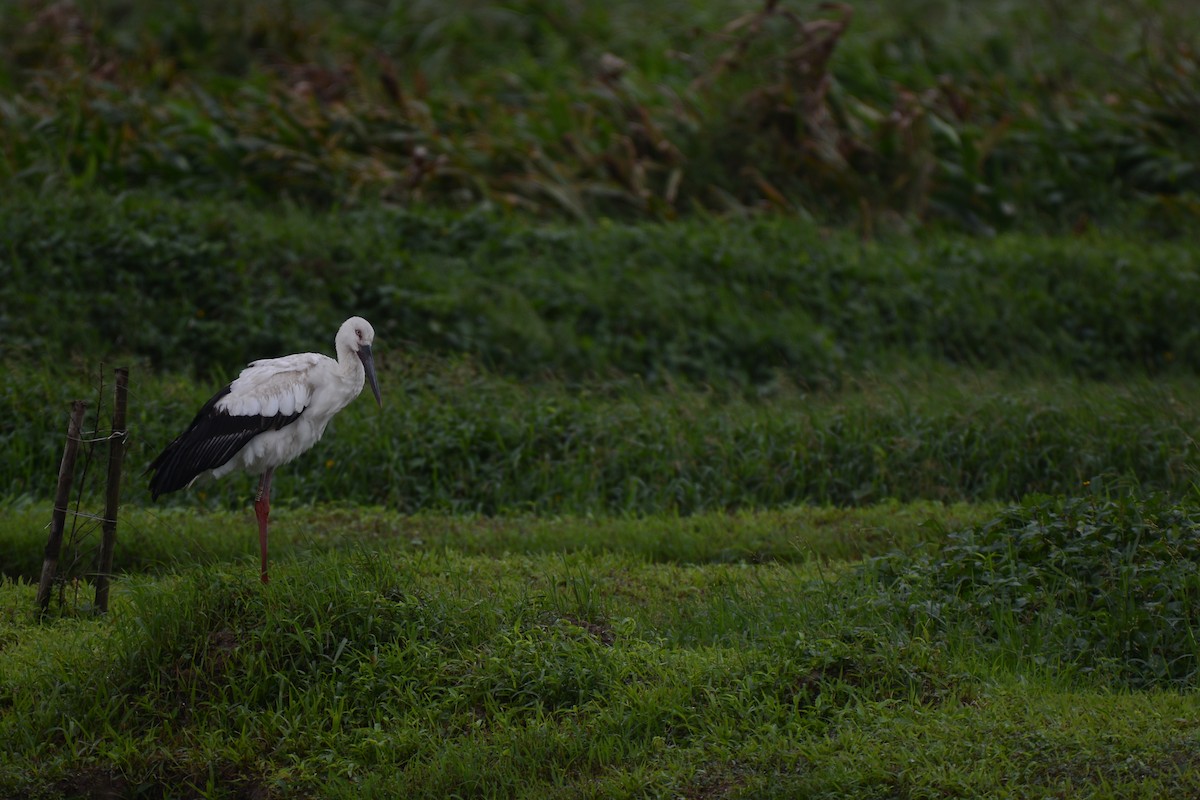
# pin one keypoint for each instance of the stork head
(356, 336)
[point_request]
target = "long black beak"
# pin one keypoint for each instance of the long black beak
(368, 362)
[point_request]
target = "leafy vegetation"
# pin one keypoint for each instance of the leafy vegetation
(1098, 584)
(894, 115)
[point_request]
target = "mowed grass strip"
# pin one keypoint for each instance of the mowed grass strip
(158, 541)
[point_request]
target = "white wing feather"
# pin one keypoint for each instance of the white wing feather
(272, 386)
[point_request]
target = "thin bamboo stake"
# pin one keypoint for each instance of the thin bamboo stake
(66, 473)
(112, 501)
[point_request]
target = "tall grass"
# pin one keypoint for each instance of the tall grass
(465, 441)
(894, 116)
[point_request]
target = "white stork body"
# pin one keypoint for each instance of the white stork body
(276, 409)
(308, 386)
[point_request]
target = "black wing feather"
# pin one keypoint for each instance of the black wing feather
(213, 438)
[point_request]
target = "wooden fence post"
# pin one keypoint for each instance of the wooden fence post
(66, 473)
(112, 497)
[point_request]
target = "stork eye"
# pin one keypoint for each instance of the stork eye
(358, 332)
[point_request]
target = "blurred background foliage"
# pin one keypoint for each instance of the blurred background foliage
(980, 117)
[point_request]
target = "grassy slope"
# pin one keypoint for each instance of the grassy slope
(742, 302)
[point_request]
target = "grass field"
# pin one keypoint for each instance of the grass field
(716, 655)
(779, 400)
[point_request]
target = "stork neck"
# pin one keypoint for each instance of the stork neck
(349, 363)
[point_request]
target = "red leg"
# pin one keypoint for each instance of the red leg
(262, 509)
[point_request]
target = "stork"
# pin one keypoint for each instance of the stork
(275, 410)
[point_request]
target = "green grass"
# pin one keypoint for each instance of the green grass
(452, 438)
(733, 303)
(777, 403)
(430, 667)
(424, 670)
(622, 368)
(159, 541)
(699, 510)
